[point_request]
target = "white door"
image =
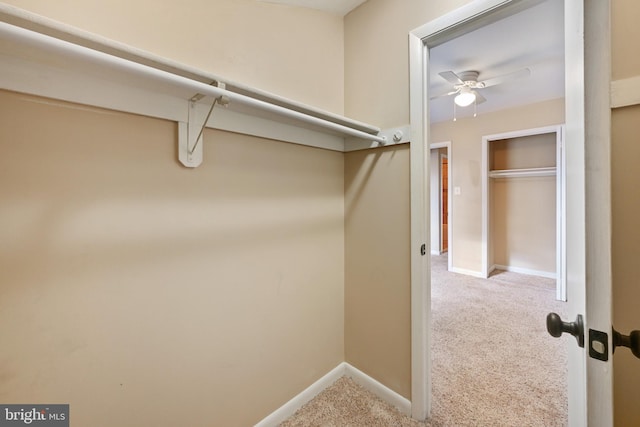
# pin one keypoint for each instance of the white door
(587, 135)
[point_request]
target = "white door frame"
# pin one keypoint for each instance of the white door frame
(587, 137)
(487, 261)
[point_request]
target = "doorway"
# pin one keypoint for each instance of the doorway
(587, 37)
(440, 200)
(444, 202)
(471, 143)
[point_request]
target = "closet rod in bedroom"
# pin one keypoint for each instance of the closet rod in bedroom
(67, 50)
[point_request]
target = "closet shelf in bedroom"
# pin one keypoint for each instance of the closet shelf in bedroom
(523, 172)
(43, 57)
(522, 157)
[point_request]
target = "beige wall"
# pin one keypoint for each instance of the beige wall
(624, 32)
(377, 57)
(216, 292)
(625, 212)
(66, 236)
(377, 233)
(626, 235)
(294, 52)
(532, 151)
(523, 223)
(377, 265)
(145, 293)
(465, 163)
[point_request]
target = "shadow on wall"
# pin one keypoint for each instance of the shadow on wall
(127, 276)
(377, 265)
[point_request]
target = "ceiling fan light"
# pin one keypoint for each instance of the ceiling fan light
(465, 98)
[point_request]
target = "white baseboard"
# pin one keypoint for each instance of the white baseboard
(491, 270)
(343, 369)
(467, 272)
(289, 408)
(547, 274)
(383, 392)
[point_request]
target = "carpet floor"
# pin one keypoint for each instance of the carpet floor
(493, 363)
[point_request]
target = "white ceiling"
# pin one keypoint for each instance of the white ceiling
(339, 7)
(531, 39)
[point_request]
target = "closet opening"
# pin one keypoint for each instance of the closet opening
(523, 204)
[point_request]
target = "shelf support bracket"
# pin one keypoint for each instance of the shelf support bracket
(190, 134)
(390, 136)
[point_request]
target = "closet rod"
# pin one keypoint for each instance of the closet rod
(52, 44)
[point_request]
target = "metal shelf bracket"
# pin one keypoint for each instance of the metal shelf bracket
(191, 134)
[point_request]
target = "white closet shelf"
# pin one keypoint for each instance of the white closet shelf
(522, 173)
(43, 57)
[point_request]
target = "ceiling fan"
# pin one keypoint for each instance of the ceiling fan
(466, 85)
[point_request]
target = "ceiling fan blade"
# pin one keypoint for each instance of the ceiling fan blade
(451, 77)
(525, 72)
(479, 98)
(442, 95)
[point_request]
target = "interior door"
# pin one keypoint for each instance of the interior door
(588, 197)
(587, 41)
(444, 203)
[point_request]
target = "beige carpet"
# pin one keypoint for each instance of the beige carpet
(347, 404)
(493, 362)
